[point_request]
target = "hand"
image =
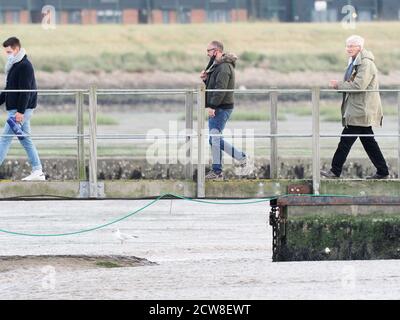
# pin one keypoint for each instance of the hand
(203, 75)
(211, 112)
(334, 84)
(19, 117)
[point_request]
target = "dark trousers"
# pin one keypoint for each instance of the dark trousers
(370, 145)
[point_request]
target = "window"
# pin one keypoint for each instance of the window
(218, 16)
(183, 15)
(365, 15)
(320, 13)
(14, 16)
(74, 17)
(109, 16)
(320, 5)
(165, 16)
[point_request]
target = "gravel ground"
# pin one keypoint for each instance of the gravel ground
(201, 251)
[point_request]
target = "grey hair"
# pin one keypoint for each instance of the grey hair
(357, 40)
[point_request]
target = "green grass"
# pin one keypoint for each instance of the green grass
(278, 46)
(65, 119)
(246, 116)
(17, 151)
(290, 147)
(108, 264)
(254, 116)
(329, 112)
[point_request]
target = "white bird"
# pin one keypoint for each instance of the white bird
(122, 236)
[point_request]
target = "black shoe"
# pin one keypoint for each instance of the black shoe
(328, 174)
(378, 177)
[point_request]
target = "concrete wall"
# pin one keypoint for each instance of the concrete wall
(252, 188)
(65, 169)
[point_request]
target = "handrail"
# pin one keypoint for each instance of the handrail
(190, 135)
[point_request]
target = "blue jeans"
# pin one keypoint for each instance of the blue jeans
(216, 125)
(27, 143)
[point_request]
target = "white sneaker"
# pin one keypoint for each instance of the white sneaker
(245, 167)
(36, 175)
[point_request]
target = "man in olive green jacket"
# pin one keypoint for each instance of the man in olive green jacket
(360, 110)
(220, 75)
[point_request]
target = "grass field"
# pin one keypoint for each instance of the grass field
(275, 46)
(65, 119)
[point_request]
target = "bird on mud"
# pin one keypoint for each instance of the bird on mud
(122, 236)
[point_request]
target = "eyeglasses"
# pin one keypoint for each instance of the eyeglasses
(208, 50)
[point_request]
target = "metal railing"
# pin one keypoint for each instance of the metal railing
(79, 136)
(190, 102)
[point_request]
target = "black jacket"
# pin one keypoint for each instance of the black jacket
(21, 76)
(221, 76)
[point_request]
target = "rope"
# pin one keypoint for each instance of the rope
(155, 201)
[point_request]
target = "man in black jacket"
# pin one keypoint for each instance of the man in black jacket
(219, 105)
(20, 105)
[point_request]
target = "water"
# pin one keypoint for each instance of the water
(202, 251)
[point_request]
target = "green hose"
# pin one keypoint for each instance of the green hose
(153, 202)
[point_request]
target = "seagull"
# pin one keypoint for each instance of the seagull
(122, 236)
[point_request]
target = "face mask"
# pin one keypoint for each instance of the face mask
(10, 57)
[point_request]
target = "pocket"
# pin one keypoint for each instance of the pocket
(357, 106)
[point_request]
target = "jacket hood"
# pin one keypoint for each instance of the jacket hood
(364, 54)
(229, 58)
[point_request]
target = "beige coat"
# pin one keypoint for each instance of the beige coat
(362, 108)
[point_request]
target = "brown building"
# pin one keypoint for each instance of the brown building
(191, 11)
(122, 11)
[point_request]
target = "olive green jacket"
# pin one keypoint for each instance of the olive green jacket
(221, 76)
(362, 109)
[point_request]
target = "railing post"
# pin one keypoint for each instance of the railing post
(201, 168)
(316, 159)
(80, 140)
(189, 130)
(398, 147)
(93, 142)
(274, 130)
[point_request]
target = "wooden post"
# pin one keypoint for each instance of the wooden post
(189, 130)
(316, 159)
(274, 130)
(93, 142)
(80, 139)
(201, 168)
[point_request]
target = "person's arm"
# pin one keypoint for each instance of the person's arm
(203, 76)
(24, 82)
(221, 82)
(361, 81)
